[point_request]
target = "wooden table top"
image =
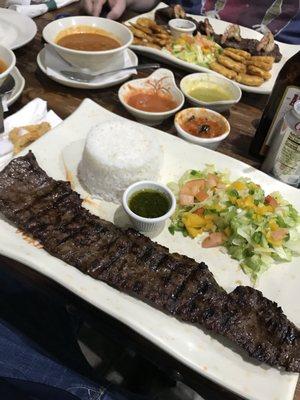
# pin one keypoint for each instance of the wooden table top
(243, 117)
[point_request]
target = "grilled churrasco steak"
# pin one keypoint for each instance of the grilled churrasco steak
(53, 214)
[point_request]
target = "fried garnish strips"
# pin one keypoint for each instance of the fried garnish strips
(147, 33)
(141, 28)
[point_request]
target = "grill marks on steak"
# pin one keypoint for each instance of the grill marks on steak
(52, 213)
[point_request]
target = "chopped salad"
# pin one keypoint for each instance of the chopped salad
(256, 229)
(196, 49)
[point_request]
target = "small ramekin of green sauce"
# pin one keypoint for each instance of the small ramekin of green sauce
(148, 204)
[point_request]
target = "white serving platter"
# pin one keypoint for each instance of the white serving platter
(16, 29)
(287, 50)
(60, 148)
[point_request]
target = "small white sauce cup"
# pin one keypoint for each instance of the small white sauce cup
(209, 143)
(179, 26)
(192, 80)
(142, 224)
(167, 79)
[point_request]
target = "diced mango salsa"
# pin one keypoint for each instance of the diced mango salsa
(196, 224)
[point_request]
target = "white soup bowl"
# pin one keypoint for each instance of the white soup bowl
(9, 59)
(92, 62)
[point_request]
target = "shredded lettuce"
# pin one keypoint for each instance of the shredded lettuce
(259, 230)
(198, 49)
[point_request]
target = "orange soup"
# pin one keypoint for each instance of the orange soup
(151, 101)
(88, 41)
(3, 66)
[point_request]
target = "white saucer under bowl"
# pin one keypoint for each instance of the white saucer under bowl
(18, 89)
(115, 79)
(16, 29)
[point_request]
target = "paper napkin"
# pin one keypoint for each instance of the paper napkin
(34, 112)
(34, 8)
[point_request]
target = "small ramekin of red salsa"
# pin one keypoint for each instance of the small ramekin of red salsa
(153, 99)
(202, 126)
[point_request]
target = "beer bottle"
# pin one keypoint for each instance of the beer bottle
(285, 93)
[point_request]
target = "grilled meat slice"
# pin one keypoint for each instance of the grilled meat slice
(53, 214)
(165, 14)
(205, 28)
(232, 31)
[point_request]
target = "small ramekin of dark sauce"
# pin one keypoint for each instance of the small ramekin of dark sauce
(148, 205)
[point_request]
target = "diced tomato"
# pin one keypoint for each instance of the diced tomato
(186, 199)
(271, 201)
(214, 239)
(279, 234)
(193, 187)
(201, 195)
(212, 181)
(199, 211)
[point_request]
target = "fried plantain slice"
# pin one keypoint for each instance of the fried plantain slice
(250, 80)
(260, 64)
(231, 64)
(234, 56)
(265, 59)
(242, 53)
(228, 73)
(253, 70)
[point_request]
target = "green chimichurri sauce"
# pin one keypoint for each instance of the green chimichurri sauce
(149, 203)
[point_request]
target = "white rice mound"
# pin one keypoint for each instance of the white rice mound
(117, 154)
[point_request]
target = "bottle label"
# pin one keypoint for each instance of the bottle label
(290, 96)
(287, 163)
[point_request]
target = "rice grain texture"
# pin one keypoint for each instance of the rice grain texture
(117, 154)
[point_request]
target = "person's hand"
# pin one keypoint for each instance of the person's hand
(94, 7)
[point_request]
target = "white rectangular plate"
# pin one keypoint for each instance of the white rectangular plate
(287, 50)
(189, 344)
